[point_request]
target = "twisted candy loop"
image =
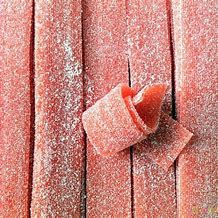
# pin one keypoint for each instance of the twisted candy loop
(122, 118)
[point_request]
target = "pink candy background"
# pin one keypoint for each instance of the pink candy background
(57, 58)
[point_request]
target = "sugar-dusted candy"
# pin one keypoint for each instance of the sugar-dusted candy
(16, 63)
(58, 171)
(108, 123)
(150, 62)
(165, 145)
(195, 40)
(106, 65)
(114, 123)
(169, 137)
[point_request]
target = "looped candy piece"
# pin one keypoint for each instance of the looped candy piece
(123, 118)
(114, 123)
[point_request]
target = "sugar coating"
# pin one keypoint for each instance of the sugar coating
(169, 137)
(121, 119)
(59, 142)
(15, 109)
(197, 105)
(109, 125)
(106, 65)
(165, 145)
(148, 38)
(150, 62)
(153, 188)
